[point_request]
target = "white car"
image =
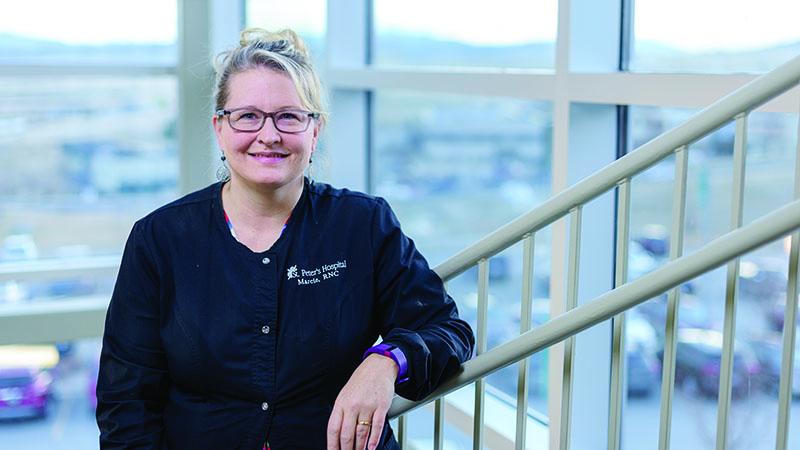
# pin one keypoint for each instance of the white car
(18, 247)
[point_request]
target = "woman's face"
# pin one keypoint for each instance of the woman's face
(266, 158)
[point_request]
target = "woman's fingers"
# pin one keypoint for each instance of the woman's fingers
(362, 430)
(359, 411)
(334, 425)
(378, 418)
(347, 433)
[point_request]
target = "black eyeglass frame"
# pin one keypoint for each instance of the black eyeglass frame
(227, 112)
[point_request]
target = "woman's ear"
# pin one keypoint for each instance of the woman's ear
(315, 137)
(217, 124)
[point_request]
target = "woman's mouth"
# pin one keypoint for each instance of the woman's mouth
(269, 157)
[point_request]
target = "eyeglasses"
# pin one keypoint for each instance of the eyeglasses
(291, 121)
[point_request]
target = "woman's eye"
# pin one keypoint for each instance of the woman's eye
(248, 116)
(290, 117)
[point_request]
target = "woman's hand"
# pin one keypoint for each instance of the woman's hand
(360, 409)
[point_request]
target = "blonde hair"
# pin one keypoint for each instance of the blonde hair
(283, 51)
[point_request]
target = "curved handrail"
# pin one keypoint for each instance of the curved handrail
(714, 254)
(748, 97)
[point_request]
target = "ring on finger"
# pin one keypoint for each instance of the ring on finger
(364, 422)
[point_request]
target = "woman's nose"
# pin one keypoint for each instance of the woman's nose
(268, 133)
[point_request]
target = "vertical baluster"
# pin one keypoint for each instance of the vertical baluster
(617, 393)
(729, 327)
(480, 385)
(438, 419)
(438, 424)
(524, 325)
(569, 343)
(673, 298)
(402, 437)
(789, 317)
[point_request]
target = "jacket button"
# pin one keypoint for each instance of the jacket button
(264, 406)
(265, 261)
(265, 329)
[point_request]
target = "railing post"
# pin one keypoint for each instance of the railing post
(402, 432)
(573, 267)
(481, 344)
(438, 424)
(790, 318)
(673, 298)
(729, 327)
(617, 392)
(524, 325)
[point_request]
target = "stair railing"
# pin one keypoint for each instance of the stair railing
(724, 250)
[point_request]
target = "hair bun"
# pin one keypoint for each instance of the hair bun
(284, 41)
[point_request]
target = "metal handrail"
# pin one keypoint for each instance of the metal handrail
(714, 254)
(747, 98)
(736, 106)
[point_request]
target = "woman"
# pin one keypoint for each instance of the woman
(244, 313)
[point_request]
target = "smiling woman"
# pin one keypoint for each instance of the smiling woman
(244, 312)
(255, 147)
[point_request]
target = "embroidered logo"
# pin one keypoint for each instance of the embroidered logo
(317, 274)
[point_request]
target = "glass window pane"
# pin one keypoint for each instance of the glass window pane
(714, 35)
(761, 293)
(306, 17)
(84, 157)
(456, 168)
(111, 34)
(505, 33)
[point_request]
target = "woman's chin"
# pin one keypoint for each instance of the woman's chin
(273, 181)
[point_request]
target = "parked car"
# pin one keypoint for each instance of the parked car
(769, 352)
(24, 392)
(698, 360)
(18, 247)
(640, 261)
(692, 313)
(654, 239)
(641, 362)
(777, 311)
(763, 279)
(26, 380)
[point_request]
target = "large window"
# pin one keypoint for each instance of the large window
(88, 141)
(464, 116)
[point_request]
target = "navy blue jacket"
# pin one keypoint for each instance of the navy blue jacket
(209, 345)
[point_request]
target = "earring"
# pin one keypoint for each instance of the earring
(222, 158)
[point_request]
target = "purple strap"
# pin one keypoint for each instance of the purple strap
(396, 354)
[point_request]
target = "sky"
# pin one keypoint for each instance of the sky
(91, 21)
(708, 25)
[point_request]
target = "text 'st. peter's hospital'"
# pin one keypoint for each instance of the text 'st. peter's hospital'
(313, 276)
